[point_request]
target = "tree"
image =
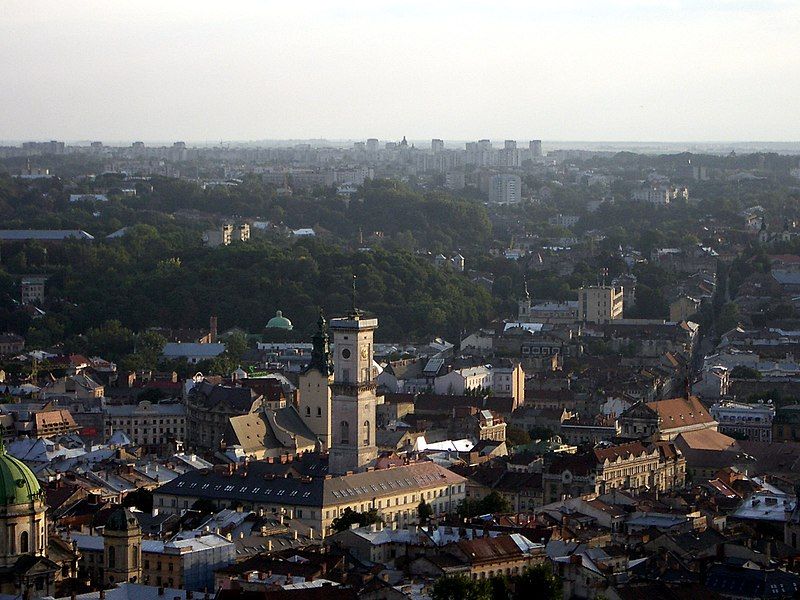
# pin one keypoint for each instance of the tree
(537, 582)
(492, 503)
(728, 318)
(424, 512)
(235, 345)
(141, 499)
(204, 506)
(743, 372)
(350, 517)
(516, 436)
(461, 587)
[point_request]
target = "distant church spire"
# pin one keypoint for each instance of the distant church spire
(321, 351)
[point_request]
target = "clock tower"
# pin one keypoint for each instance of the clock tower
(353, 445)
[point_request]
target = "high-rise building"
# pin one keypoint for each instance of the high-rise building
(505, 188)
(437, 145)
(510, 145)
(314, 403)
(372, 145)
(535, 148)
(600, 303)
(353, 445)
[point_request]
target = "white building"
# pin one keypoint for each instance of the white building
(192, 353)
(659, 195)
(458, 381)
(505, 188)
(751, 420)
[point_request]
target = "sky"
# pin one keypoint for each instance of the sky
(595, 70)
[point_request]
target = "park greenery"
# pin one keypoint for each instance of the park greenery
(534, 582)
(107, 296)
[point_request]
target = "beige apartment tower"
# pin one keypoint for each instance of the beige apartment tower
(600, 303)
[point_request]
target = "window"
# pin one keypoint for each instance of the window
(23, 542)
(135, 556)
(319, 411)
(366, 433)
(112, 557)
(308, 411)
(344, 428)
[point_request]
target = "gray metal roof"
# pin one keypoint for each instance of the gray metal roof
(44, 234)
(264, 482)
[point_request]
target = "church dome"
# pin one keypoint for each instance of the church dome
(18, 484)
(279, 322)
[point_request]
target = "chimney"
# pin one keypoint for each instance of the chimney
(212, 326)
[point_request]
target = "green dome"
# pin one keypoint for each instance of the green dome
(279, 322)
(18, 484)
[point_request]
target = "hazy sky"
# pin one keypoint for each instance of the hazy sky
(559, 70)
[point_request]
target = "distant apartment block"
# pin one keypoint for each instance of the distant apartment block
(32, 289)
(505, 188)
(659, 195)
(455, 180)
(11, 343)
(600, 303)
(227, 233)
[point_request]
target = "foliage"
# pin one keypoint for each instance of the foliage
(350, 517)
(492, 503)
(141, 499)
(424, 512)
(535, 582)
(743, 372)
(516, 436)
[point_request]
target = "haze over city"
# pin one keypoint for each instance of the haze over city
(444, 300)
(621, 70)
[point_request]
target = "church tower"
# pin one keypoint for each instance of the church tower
(315, 387)
(122, 548)
(353, 407)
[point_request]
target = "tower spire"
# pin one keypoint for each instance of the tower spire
(320, 352)
(355, 314)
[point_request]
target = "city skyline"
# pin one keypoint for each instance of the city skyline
(618, 71)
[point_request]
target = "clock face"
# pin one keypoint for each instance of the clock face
(364, 352)
(346, 353)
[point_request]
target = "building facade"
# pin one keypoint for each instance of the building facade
(353, 447)
(751, 421)
(600, 304)
(314, 396)
(152, 426)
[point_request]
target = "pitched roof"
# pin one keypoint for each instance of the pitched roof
(681, 412)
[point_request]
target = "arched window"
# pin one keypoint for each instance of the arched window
(344, 428)
(112, 557)
(23, 542)
(135, 557)
(319, 411)
(308, 411)
(366, 433)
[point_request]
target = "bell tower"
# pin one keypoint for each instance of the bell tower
(353, 445)
(314, 402)
(122, 548)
